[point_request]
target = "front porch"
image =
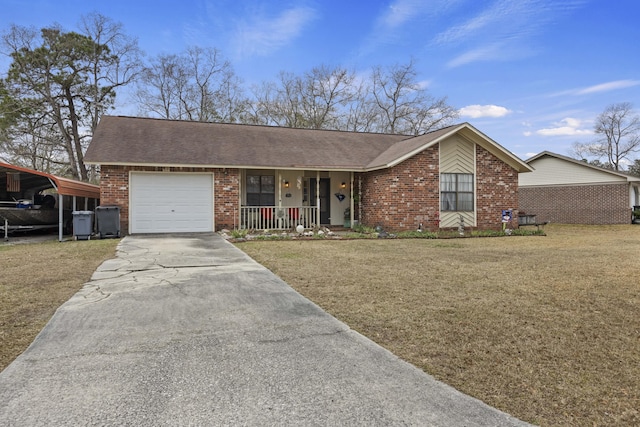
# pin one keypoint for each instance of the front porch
(284, 199)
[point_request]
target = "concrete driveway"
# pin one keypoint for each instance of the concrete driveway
(188, 330)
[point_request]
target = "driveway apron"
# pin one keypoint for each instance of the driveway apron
(188, 330)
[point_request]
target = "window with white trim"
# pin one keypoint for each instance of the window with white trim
(456, 192)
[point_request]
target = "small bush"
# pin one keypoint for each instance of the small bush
(239, 234)
(272, 237)
(363, 229)
(360, 235)
(417, 235)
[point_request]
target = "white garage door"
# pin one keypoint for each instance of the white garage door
(171, 202)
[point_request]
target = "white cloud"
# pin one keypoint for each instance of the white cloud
(605, 87)
(424, 84)
(504, 24)
(485, 53)
(565, 127)
(404, 20)
(478, 111)
(602, 87)
(402, 11)
(261, 36)
(463, 31)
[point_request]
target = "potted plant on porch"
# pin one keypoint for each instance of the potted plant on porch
(347, 218)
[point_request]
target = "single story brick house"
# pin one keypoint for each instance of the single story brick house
(181, 176)
(570, 191)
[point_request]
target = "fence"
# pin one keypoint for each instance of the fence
(277, 218)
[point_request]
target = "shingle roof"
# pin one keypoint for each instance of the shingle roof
(144, 141)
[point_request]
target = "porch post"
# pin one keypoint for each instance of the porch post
(241, 178)
(360, 195)
(318, 199)
(351, 203)
(279, 189)
(278, 220)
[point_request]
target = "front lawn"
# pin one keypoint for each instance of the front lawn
(35, 279)
(546, 328)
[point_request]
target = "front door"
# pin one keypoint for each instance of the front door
(325, 200)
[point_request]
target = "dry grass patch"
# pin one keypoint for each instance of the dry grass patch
(544, 328)
(35, 280)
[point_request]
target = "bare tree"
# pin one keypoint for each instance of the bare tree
(159, 91)
(360, 113)
(279, 103)
(201, 85)
(232, 104)
(36, 149)
(333, 98)
(403, 105)
(119, 68)
(197, 85)
(325, 92)
(618, 131)
(29, 139)
(311, 101)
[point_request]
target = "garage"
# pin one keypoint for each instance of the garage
(171, 202)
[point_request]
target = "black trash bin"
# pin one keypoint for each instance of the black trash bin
(82, 224)
(635, 215)
(108, 219)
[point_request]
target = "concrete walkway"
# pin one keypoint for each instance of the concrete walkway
(188, 330)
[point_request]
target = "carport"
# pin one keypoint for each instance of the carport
(19, 183)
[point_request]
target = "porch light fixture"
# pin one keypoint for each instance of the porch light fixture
(286, 184)
(343, 185)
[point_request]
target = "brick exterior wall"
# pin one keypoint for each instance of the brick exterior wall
(114, 191)
(497, 189)
(580, 204)
(226, 198)
(399, 198)
(402, 197)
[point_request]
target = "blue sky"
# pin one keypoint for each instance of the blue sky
(531, 74)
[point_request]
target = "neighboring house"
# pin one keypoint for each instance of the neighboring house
(570, 191)
(174, 176)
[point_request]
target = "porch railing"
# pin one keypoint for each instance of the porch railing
(277, 218)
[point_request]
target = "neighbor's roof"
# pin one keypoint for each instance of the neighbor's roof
(33, 179)
(143, 141)
(628, 177)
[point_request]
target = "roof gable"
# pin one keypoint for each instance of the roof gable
(408, 148)
(555, 169)
(159, 142)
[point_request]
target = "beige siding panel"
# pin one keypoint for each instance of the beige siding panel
(456, 156)
(553, 171)
(452, 219)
